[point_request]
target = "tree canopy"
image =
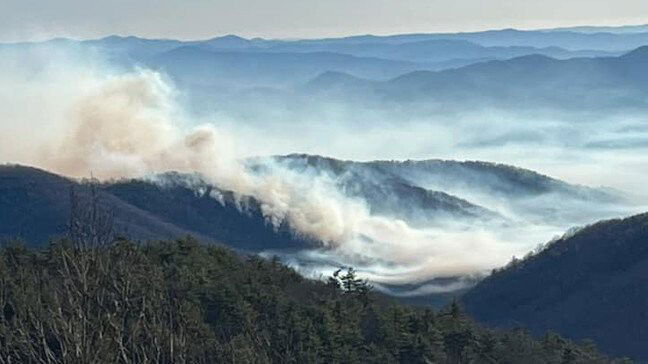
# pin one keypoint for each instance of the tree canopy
(183, 301)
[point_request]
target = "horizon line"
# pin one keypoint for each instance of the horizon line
(570, 28)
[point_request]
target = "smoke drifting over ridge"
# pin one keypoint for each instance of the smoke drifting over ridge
(81, 118)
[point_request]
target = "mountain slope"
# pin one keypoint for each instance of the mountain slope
(35, 206)
(205, 210)
(463, 190)
(591, 283)
(389, 194)
(502, 179)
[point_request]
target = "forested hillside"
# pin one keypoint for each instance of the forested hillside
(180, 301)
(34, 203)
(35, 207)
(589, 284)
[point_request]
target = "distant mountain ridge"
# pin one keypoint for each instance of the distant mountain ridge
(198, 66)
(467, 190)
(543, 69)
(513, 179)
(388, 193)
(532, 81)
(413, 51)
(570, 40)
(642, 28)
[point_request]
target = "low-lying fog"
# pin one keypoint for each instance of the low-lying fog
(77, 115)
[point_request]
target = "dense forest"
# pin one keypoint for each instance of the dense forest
(182, 301)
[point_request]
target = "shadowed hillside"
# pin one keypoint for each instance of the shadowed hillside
(35, 206)
(591, 283)
(205, 210)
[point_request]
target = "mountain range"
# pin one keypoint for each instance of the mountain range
(569, 69)
(35, 203)
(602, 264)
(589, 283)
(531, 81)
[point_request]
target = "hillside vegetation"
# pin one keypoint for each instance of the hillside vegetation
(588, 284)
(35, 206)
(180, 301)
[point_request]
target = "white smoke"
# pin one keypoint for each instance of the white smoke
(80, 119)
(128, 126)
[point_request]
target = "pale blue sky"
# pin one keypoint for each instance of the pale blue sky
(196, 19)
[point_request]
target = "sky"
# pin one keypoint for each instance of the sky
(22, 20)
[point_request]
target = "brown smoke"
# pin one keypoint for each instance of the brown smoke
(127, 125)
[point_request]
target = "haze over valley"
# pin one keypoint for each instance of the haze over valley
(565, 104)
(424, 161)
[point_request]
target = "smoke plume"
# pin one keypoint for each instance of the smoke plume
(80, 119)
